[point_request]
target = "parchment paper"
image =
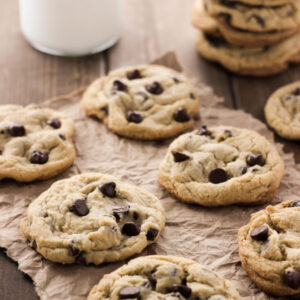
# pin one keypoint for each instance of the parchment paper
(207, 235)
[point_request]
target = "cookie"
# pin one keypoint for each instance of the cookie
(92, 218)
(163, 277)
(282, 111)
(269, 249)
(35, 143)
(201, 20)
(260, 61)
(221, 165)
(143, 102)
(256, 19)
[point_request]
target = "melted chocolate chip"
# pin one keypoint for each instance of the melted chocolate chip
(259, 20)
(135, 74)
(39, 157)
(117, 217)
(255, 159)
(55, 123)
(143, 95)
(134, 117)
(80, 208)
(130, 229)
(135, 215)
(119, 86)
(108, 189)
(179, 157)
(104, 109)
(295, 203)
(130, 292)
(80, 259)
(16, 130)
(228, 132)
(244, 170)
(181, 115)
(183, 290)
(151, 234)
(155, 88)
(292, 279)
(176, 80)
(34, 245)
(296, 92)
(121, 209)
(192, 96)
(204, 131)
(73, 251)
(218, 175)
(62, 137)
(260, 233)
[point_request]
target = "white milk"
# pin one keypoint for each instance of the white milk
(71, 27)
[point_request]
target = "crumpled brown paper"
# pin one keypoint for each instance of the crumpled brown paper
(207, 235)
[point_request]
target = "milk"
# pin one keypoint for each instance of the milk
(70, 27)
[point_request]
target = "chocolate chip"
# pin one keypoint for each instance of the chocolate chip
(130, 292)
(55, 123)
(297, 91)
(117, 217)
(260, 233)
(259, 20)
(183, 290)
(151, 234)
(39, 157)
(218, 175)
(292, 279)
(228, 132)
(104, 109)
(181, 115)
(204, 131)
(108, 189)
(143, 95)
(119, 86)
(135, 74)
(192, 96)
(179, 157)
(122, 209)
(255, 159)
(16, 130)
(80, 208)
(34, 245)
(134, 117)
(295, 203)
(244, 170)
(130, 229)
(154, 88)
(73, 251)
(135, 215)
(80, 259)
(176, 80)
(62, 137)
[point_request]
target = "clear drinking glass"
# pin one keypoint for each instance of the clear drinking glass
(71, 27)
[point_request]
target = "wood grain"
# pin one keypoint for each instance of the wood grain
(151, 28)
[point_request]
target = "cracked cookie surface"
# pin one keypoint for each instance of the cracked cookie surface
(256, 19)
(163, 278)
(282, 111)
(92, 218)
(35, 143)
(221, 166)
(143, 102)
(259, 61)
(269, 249)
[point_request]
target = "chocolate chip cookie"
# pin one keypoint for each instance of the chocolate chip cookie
(244, 38)
(221, 166)
(163, 277)
(35, 143)
(260, 61)
(143, 102)
(256, 18)
(92, 218)
(269, 248)
(282, 111)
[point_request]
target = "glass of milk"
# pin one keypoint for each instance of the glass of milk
(71, 27)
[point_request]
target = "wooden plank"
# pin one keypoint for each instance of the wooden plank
(251, 95)
(153, 27)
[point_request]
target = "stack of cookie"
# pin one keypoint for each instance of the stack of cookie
(249, 37)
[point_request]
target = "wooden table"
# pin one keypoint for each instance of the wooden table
(151, 27)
